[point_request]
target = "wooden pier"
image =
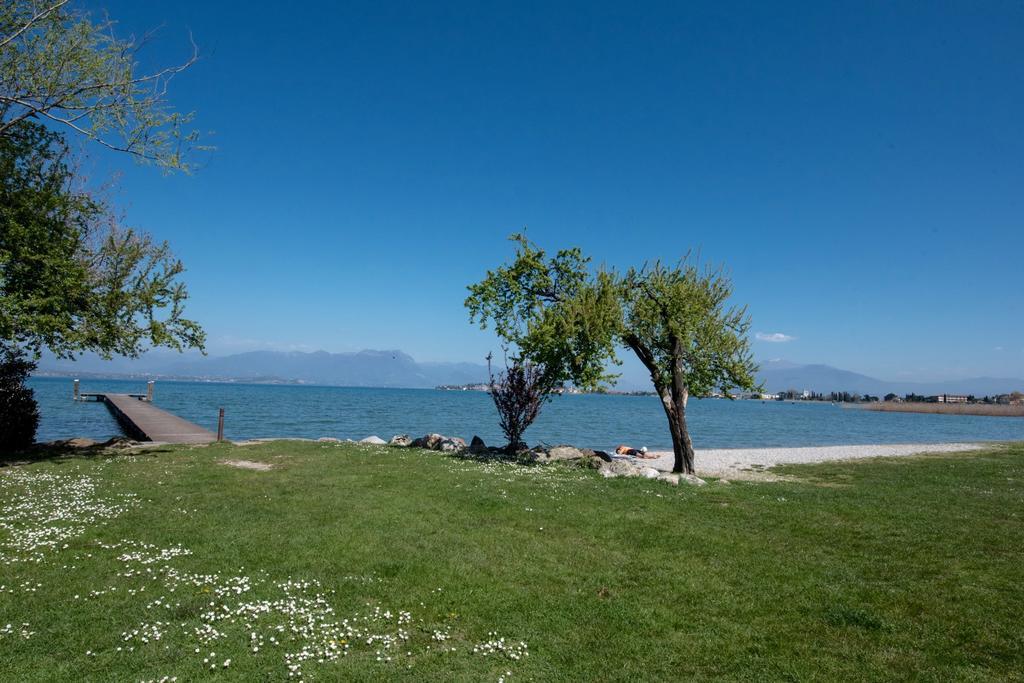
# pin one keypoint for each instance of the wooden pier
(142, 420)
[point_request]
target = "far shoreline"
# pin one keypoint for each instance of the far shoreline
(982, 409)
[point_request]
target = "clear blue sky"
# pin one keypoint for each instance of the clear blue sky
(859, 167)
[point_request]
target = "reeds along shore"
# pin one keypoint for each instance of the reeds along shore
(949, 408)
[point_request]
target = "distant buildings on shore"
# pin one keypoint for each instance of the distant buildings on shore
(560, 390)
(1014, 398)
(464, 387)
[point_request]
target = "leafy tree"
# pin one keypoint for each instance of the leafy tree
(551, 319)
(19, 415)
(72, 279)
(679, 324)
(61, 67)
(550, 311)
(558, 314)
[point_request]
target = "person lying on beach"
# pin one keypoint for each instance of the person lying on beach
(629, 450)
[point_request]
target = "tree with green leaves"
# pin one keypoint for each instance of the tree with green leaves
(680, 325)
(678, 322)
(72, 278)
(61, 67)
(550, 317)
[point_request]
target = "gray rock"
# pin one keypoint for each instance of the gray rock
(650, 473)
(451, 445)
(428, 441)
(669, 478)
(400, 440)
(375, 440)
(477, 446)
(604, 456)
(565, 453)
(329, 439)
(620, 468)
(691, 479)
(440, 442)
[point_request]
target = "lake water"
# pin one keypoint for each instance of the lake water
(254, 411)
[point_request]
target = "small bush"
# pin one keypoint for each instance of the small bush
(518, 394)
(19, 413)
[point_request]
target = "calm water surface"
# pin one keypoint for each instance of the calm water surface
(254, 411)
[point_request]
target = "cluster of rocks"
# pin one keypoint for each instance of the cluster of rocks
(608, 465)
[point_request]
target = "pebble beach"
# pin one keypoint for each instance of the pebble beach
(739, 463)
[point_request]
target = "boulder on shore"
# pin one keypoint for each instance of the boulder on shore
(400, 440)
(440, 442)
(451, 444)
(620, 468)
(329, 439)
(650, 473)
(374, 440)
(428, 441)
(564, 453)
(477, 446)
(691, 479)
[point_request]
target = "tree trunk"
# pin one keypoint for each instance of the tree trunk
(682, 446)
(673, 399)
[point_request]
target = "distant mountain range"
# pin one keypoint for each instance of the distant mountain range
(398, 369)
(360, 369)
(780, 375)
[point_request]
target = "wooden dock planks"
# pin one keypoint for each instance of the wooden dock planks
(143, 420)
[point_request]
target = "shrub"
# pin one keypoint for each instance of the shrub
(19, 414)
(518, 394)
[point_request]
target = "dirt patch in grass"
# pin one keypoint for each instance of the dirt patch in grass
(249, 465)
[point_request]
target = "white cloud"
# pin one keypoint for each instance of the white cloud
(774, 337)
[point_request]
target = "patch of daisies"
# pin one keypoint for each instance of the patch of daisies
(244, 613)
(41, 511)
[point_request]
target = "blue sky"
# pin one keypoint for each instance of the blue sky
(859, 167)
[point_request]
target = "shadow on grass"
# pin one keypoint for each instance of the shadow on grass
(74, 449)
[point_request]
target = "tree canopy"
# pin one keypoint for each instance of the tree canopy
(560, 314)
(679, 323)
(71, 278)
(62, 67)
(550, 312)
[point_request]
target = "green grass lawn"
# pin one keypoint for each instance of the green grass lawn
(362, 563)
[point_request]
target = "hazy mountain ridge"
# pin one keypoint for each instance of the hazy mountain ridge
(782, 375)
(369, 368)
(394, 368)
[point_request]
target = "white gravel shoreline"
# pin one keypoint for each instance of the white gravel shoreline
(740, 462)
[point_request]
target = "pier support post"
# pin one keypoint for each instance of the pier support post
(78, 396)
(149, 391)
(220, 425)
